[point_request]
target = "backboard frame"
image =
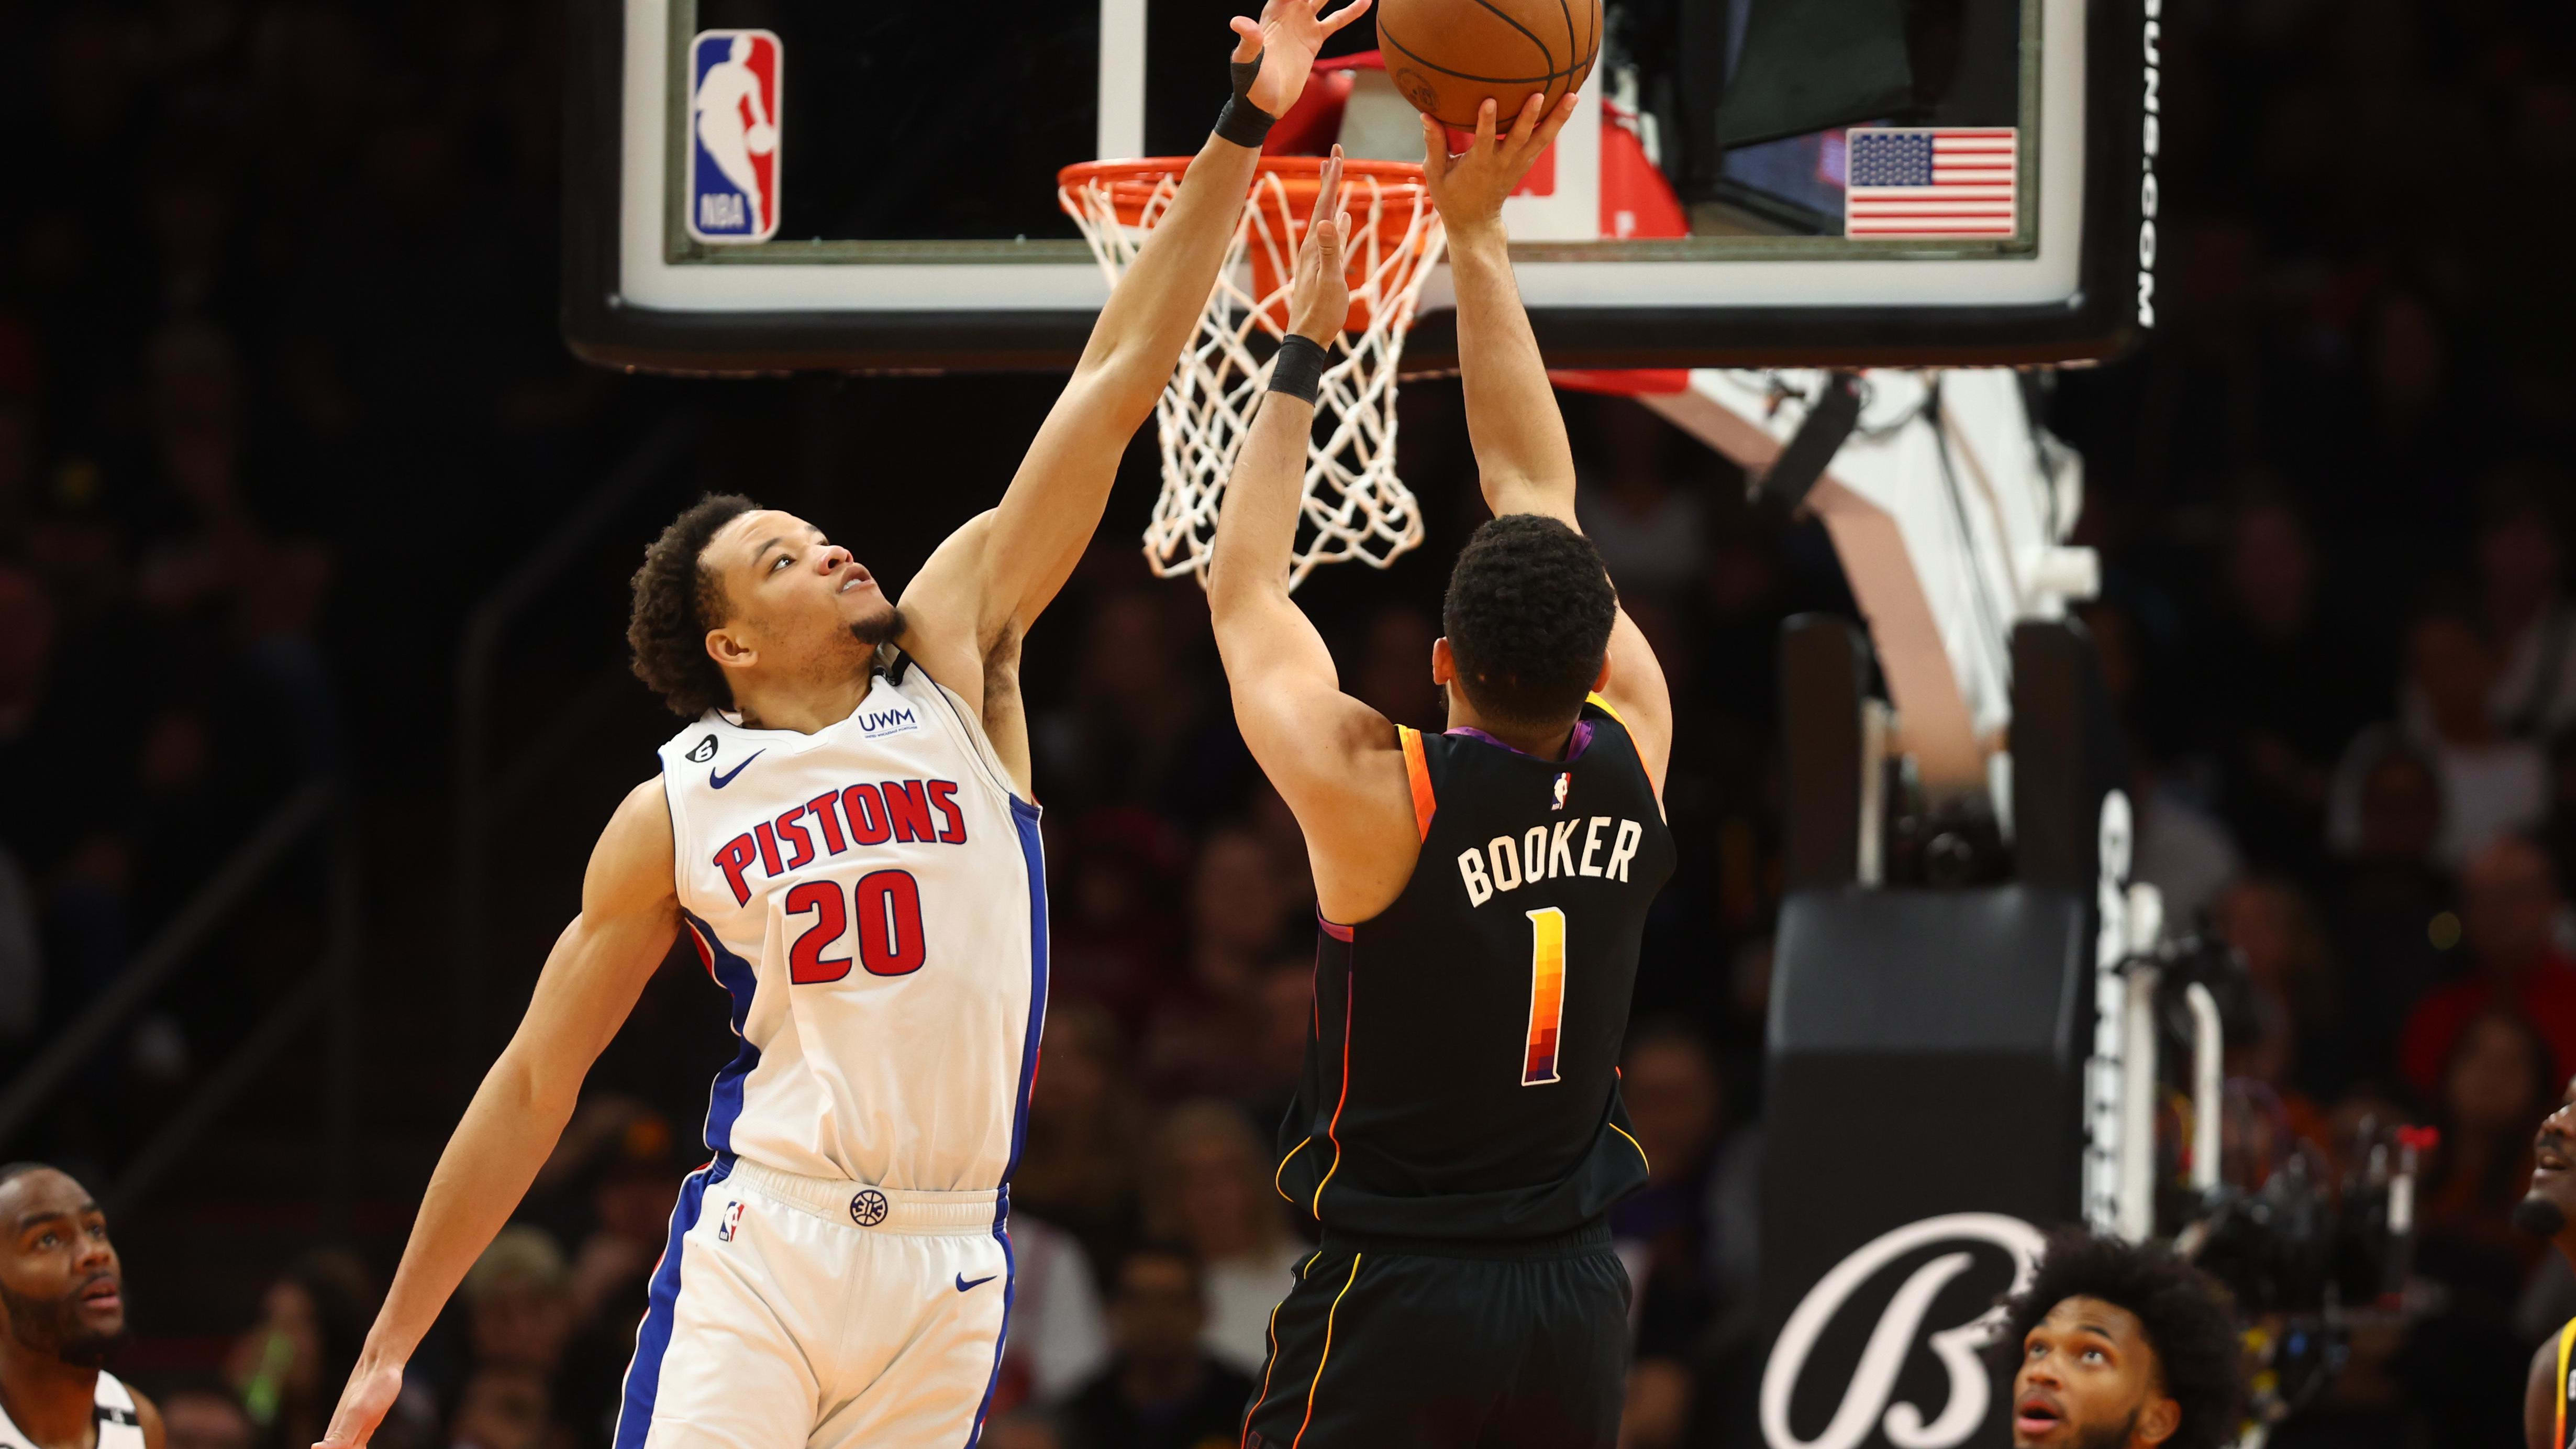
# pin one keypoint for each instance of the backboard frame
(2108, 308)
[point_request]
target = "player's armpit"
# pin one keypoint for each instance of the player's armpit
(945, 608)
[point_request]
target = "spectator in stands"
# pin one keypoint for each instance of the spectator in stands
(1161, 1390)
(1394, 674)
(1208, 1186)
(504, 1406)
(1124, 736)
(1058, 1336)
(2463, 1363)
(2283, 686)
(204, 1418)
(519, 1302)
(2491, 782)
(2509, 910)
(605, 1287)
(2522, 593)
(1202, 1039)
(1024, 1428)
(1114, 938)
(2393, 918)
(1650, 533)
(1670, 1083)
(1078, 1167)
(2274, 929)
(2559, 831)
(289, 1366)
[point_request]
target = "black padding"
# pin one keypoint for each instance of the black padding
(1824, 666)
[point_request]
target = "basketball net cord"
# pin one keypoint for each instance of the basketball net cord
(1353, 506)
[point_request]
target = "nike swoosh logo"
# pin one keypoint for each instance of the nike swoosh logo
(718, 779)
(964, 1283)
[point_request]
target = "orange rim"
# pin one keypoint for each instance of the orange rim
(1131, 185)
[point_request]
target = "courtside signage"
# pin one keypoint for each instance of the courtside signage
(735, 79)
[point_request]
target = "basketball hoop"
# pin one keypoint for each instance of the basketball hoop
(1354, 506)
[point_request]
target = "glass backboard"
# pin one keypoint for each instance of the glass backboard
(762, 185)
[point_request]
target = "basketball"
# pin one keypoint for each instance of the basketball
(1447, 56)
(761, 139)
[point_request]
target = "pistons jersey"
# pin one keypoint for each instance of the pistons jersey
(872, 898)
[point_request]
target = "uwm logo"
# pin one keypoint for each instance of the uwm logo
(735, 79)
(831, 823)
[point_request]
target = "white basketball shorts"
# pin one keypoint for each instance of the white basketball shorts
(805, 1313)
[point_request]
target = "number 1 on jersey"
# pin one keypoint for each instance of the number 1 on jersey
(1547, 995)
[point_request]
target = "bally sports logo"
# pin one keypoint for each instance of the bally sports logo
(735, 79)
(1864, 1407)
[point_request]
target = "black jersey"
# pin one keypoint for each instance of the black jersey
(1462, 1076)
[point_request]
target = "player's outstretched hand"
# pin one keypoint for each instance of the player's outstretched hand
(363, 1405)
(1469, 189)
(1287, 37)
(1319, 294)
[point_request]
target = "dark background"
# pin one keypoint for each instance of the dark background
(282, 405)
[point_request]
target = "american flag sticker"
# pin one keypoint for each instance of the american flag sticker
(1938, 181)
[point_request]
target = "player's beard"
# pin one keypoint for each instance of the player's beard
(2109, 1436)
(52, 1326)
(882, 629)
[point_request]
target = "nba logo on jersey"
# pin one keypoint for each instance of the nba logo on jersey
(735, 79)
(732, 1221)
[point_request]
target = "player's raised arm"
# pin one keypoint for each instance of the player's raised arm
(629, 914)
(1512, 418)
(1018, 558)
(1335, 761)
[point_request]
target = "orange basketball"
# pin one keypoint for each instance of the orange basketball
(1447, 56)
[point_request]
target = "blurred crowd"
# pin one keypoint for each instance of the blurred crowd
(276, 348)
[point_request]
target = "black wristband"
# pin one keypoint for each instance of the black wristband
(1298, 370)
(1242, 122)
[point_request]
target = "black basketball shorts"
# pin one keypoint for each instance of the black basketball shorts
(1386, 1343)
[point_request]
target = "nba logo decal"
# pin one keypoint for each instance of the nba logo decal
(735, 77)
(1564, 782)
(732, 1221)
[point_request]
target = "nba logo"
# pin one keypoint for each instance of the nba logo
(734, 82)
(732, 1221)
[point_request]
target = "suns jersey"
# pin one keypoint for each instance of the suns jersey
(1462, 1076)
(872, 898)
(119, 1426)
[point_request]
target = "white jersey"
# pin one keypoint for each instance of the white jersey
(119, 1427)
(873, 898)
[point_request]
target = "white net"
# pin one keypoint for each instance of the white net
(1355, 507)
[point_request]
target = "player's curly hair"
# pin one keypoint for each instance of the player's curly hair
(1528, 616)
(677, 599)
(2187, 1316)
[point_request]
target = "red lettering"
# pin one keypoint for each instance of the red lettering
(867, 812)
(800, 846)
(827, 815)
(806, 963)
(943, 798)
(768, 848)
(890, 940)
(909, 808)
(733, 860)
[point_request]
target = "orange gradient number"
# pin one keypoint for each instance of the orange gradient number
(1547, 995)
